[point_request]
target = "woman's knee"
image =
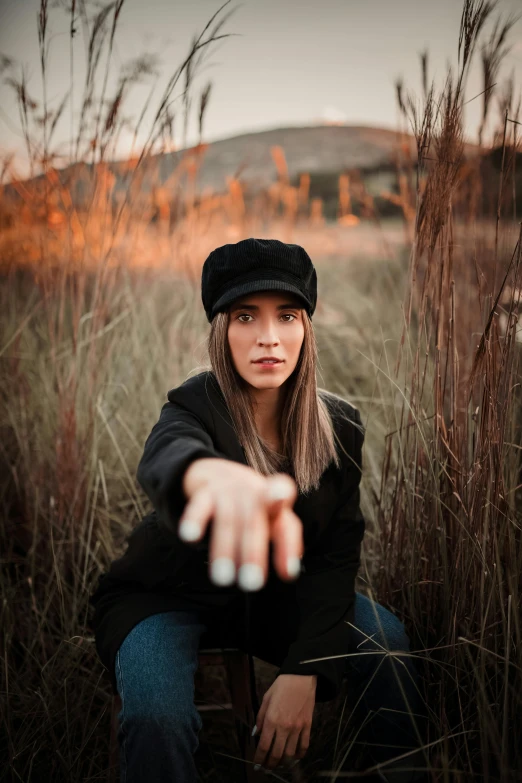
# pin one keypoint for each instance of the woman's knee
(378, 627)
(168, 704)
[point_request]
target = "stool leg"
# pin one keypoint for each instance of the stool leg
(241, 698)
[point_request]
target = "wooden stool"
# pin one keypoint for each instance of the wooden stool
(238, 680)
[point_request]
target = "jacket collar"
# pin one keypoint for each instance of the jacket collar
(204, 389)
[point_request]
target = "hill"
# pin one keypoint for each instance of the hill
(319, 149)
(323, 151)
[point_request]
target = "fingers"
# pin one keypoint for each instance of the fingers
(303, 742)
(260, 717)
(286, 529)
(225, 542)
(282, 491)
(287, 535)
(264, 744)
(196, 515)
(282, 746)
(240, 543)
(291, 745)
(277, 750)
(254, 549)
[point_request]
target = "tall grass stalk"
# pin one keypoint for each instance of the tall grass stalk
(449, 510)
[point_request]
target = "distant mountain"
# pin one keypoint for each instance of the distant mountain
(324, 148)
(323, 151)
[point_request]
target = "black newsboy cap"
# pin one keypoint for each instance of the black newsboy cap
(253, 265)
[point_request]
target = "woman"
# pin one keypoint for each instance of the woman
(254, 541)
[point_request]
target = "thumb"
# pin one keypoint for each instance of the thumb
(258, 728)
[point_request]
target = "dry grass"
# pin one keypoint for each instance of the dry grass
(417, 324)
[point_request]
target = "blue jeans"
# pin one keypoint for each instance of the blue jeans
(159, 722)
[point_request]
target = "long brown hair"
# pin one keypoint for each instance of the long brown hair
(307, 430)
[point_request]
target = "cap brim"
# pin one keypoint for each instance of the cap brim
(256, 286)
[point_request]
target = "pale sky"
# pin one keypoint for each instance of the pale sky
(291, 62)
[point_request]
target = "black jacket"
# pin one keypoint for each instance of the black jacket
(160, 572)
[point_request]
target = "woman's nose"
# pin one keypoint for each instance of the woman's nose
(268, 334)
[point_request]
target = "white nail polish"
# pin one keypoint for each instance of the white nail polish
(189, 530)
(222, 571)
(250, 576)
(293, 566)
(254, 731)
(277, 490)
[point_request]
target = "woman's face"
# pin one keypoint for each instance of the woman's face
(269, 323)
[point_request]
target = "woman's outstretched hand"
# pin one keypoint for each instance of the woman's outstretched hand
(248, 511)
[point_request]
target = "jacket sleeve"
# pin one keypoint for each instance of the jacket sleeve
(176, 440)
(325, 590)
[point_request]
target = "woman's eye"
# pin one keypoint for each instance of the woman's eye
(283, 316)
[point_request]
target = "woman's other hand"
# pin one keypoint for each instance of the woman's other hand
(248, 511)
(284, 720)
